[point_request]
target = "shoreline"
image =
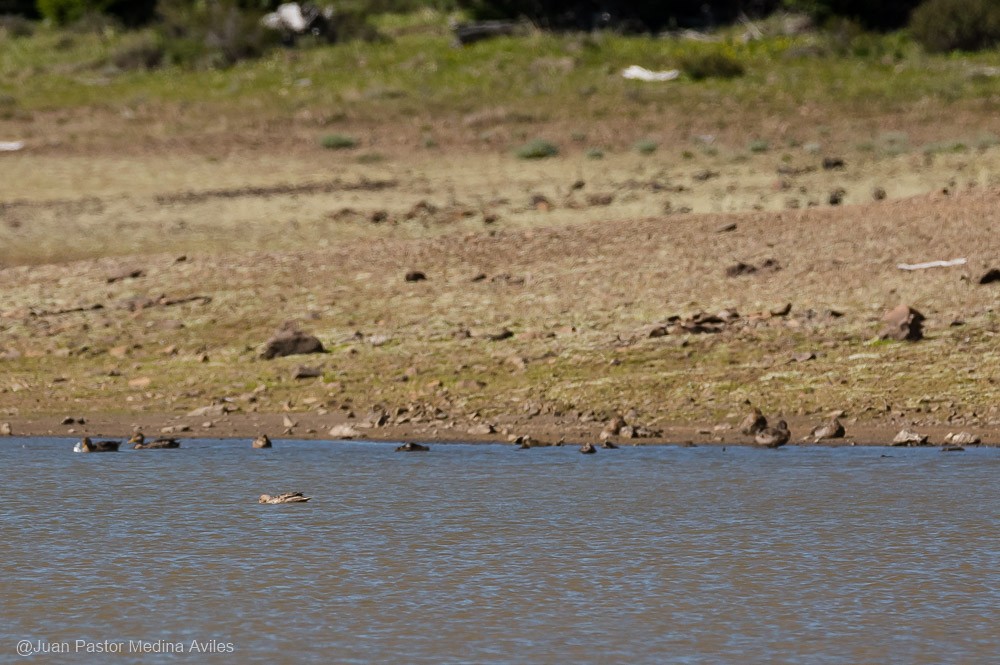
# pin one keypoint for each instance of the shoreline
(544, 431)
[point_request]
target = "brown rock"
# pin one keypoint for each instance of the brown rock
(907, 437)
(6, 429)
(963, 439)
(415, 276)
(990, 276)
(903, 323)
(290, 342)
(129, 273)
(753, 423)
(830, 430)
(303, 372)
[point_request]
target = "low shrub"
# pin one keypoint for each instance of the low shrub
(12, 27)
(537, 149)
(213, 34)
(338, 142)
(646, 146)
(956, 25)
(711, 64)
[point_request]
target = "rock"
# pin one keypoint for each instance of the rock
(990, 276)
(837, 196)
(588, 449)
(288, 422)
(753, 423)
(140, 382)
(129, 273)
(879, 194)
(903, 323)
(212, 411)
(6, 429)
(290, 342)
(726, 228)
(70, 420)
(963, 439)
(482, 429)
(344, 432)
(499, 335)
(261, 441)
(833, 163)
(952, 448)
(784, 310)
(600, 199)
(540, 202)
(303, 372)
(415, 276)
(738, 269)
(613, 427)
(909, 438)
(609, 445)
(829, 430)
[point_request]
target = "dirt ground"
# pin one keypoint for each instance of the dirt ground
(139, 282)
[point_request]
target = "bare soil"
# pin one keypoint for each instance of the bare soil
(139, 284)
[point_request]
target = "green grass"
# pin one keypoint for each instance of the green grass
(537, 149)
(338, 142)
(419, 71)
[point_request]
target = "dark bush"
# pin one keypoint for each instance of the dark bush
(128, 12)
(18, 8)
(14, 25)
(651, 15)
(877, 15)
(216, 33)
(711, 64)
(950, 25)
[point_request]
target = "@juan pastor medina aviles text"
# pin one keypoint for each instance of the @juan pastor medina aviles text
(37, 647)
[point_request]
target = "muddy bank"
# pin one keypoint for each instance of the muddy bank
(543, 431)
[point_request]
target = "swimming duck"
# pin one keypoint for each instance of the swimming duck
(87, 446)
(588, 449)
(262, 441)
(753, 423)
(830, 430)
(138, 441)
(773, 437)
(410, 447)
(609, 445)
(287, 497)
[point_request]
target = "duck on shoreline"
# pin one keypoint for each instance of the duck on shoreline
(85, 445)
(773, 437)
(139, 442)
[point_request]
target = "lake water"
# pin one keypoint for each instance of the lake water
(485, 554)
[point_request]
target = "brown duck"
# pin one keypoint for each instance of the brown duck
(588, 449)
(87, 446)
(287, 497)
(262, 441)
(773, 437)
(410, 447)
(138, 441)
